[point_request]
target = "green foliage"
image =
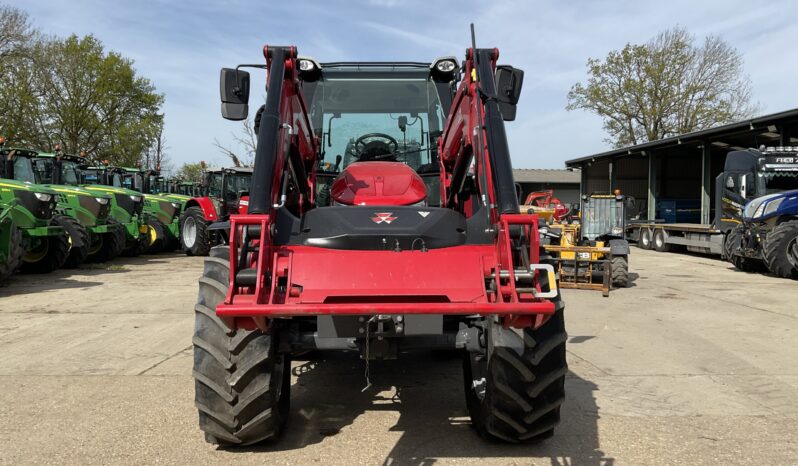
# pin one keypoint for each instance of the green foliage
(73, 92)
(666, 87)
(190, 172)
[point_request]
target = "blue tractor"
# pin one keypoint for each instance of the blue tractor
(767, 235)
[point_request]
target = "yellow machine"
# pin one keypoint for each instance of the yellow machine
(578, 265)
(589, 246)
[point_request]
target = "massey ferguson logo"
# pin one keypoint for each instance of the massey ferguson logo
(384, 217)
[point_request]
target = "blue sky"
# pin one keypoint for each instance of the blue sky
(181, 47)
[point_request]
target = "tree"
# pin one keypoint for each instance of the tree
(16, 33)
(190, 172)
(156, 157)
(71, 91)
(666, 87)
(247, 141)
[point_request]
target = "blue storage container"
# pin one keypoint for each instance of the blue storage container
(679, 210)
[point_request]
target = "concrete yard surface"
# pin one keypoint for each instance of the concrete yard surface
(695, 363)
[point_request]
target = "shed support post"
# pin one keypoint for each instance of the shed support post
(706, 181)
(612, 175)
(651, 206)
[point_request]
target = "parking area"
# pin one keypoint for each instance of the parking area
(695, 363)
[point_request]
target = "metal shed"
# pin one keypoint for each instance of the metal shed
(681, 168)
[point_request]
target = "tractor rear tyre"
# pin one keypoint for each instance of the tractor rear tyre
(16, 250)
(194, 234)
(645, 241)
(516, 397)
(79, 238)
(156, 238)
(242, 384)
(780, 250)
(620, 271)
(50, 254)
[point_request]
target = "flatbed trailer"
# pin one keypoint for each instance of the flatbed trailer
(695, 237)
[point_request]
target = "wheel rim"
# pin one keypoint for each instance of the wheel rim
(38, 253)
(645, 237)
(152, 235)
(658, 241)
(96, 245)
(479, 381)
(189, 231)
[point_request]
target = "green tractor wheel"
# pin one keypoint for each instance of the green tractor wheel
(48, 254)
(80, 241)
(16, 249)
(156, 237)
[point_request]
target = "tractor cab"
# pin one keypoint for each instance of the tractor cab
(749, 174)
(226, 187)
(379, 124)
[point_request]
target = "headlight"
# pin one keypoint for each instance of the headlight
(306, 65)
(771, 206)
(44, 197)
(101, 200)
(135, 198)
(445, 66)
(176, 205)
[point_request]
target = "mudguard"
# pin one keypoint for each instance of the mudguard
(207, 206)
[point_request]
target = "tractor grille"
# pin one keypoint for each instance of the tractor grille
(169, 209)
(131, 207)
(40, 209)
(90, 203)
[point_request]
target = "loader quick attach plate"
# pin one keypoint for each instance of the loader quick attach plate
(301, 280)
(578, 271)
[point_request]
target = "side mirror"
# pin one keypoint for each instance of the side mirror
(403, 123)
(234, 90)
(508, 87)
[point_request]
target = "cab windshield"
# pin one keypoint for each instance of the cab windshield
(376, 119)
(23, 170)
(70, 171)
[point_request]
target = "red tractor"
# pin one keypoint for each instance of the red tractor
(203, 223)
(382, 217)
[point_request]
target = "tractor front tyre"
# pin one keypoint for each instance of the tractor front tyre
(780, 250)
(242, 383)
(156, 238)
(514, 396)
(194, 234)
(16, 250)
(620, 271)
(79, 239)
(733, 242)
(49, 254)
(112, 243)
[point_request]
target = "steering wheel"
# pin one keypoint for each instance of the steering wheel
(377, 149)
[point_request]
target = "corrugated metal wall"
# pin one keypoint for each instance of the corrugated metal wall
(631, 176)
(598, 177)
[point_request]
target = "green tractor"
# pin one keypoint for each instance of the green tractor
(10, 244)
(125, 206)
(163, 210)
(93, 235)
(32, 236)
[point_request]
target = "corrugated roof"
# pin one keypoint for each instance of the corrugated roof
(689, 137)
(546, 175)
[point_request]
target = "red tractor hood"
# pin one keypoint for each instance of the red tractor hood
(378, 184)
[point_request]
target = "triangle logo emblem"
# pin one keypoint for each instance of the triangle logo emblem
(423, 214)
